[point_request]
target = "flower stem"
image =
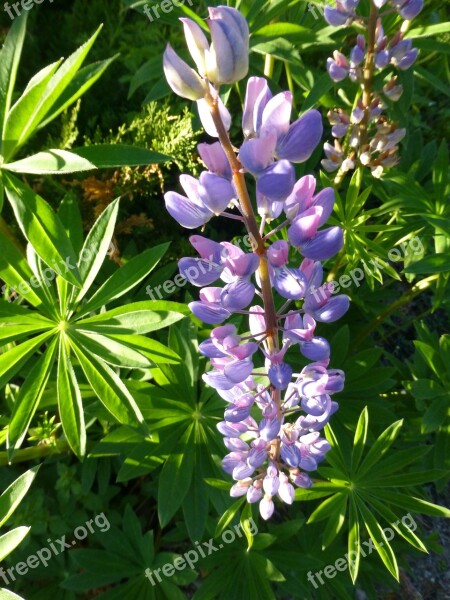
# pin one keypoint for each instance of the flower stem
(369, 68)
(250, 223)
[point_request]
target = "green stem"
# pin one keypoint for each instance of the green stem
(368, 73)
(34, 453)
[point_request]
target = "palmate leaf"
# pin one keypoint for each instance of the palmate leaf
(69, 403)
(43, 229)
(363, 487)
(29, 397)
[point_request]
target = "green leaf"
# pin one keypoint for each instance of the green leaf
(70, 216)
(10, 540)
(360, 439)
(83, 80)
(111, 350)
(14, 328)
(318, 90)
(411, 503)
(137, 317)
(43, 229)
(105, 156)
(28, 399)
(125, 278)
(326, 508)
(12, 361)
(176, 477)
(353, 539)
(428, 30)
(14, 493)
(9, 63)
(69, 403)
(16, 272)
(398, 524)
(96, 246)
(110, 390)
(407, 479)
(379, 448)
(57, 85)
(23, 108)
(152, 349)
(438, 263)
(379, 538)
(228, 516)
(50, 162)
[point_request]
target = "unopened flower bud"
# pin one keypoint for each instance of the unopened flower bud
(227, 59)
(183, 80)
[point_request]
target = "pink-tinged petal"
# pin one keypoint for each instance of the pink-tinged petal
(304, 227)
(231, 460)
(240, 488)
(208, 312)
(257, 154)
(324, 244)
(184, 211)
(216, 192)
(278, 253)
(302, 480)
(324, 199)
(333, 310)
(219, 334)
(207, 249)
(300, 198)
(254, 494)
(183, 80)
(257, 322)
(266, 507)
(211, 294)
(204, 113)
(336, 72)
(276, 182)
(237, 295)
(215, 159)
(302, 138)
(209, 349)
(199, 272)
(277, 115)
(256, 98)
(244, 265)
(191, 187)
(244, 350)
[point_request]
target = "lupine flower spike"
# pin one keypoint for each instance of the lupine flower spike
(272, 421)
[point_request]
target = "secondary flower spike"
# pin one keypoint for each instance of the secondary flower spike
(273, 416)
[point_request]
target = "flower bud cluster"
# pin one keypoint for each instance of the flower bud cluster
(273, 417)
(367, 135)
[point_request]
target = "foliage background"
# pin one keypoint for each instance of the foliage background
(154, 492)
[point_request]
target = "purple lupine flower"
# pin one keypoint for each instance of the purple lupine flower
(338, 67)
(271, 426)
